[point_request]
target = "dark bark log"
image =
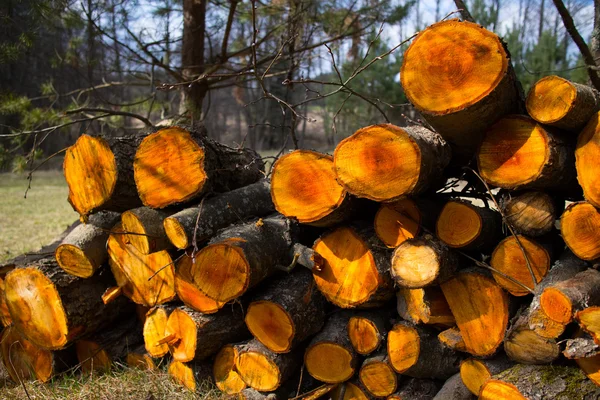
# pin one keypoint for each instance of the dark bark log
(581, 347)
(416, 389)
(454, 389)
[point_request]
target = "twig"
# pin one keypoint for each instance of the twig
(464, 11)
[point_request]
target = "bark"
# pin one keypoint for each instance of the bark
(475, 372)
(524, 346)
(454, 389)
(581, 347)
(192, 56)
(416, 389)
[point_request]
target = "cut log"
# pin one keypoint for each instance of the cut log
(378, 376)
(218, 212)
(581, 347)
(5, 317)
(144, 229)
(99, 173)
(138, 358)
(480, 308)
(25, 360)
(350, 390)
(452, 338)
(52, 308)
(421, 262)
(304, 188)
(463, 225)
(195, 336)
(262, 369)
(580, 229)
(175, 165)
(155, 326)
(416, 389)
(355, 270)
(458, 75)
(225, 375)
(189, 375)
(415, 351)
(590, 367)
(286, 311)
(475, 373)
(589, 321)
(454, 389)
(531, 213)
(558, 102)
(330, 357)
(509, 259)
(424, 306)
(540, 382)
(149, 279)
(188, 293)
(523, 345)
(518, 153)
(385, 162)
(403, 219)
(367, 330)
(586, 160)
(83, 250)
(560, 301)
(242, 256)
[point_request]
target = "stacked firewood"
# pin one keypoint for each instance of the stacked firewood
(435, 260)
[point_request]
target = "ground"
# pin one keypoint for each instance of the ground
(25, 225)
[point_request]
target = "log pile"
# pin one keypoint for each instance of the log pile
(388, 270)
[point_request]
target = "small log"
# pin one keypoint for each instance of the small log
(475, 373)
(350, 390)
(355, 269)
(540, 382)
(330, 357)
(523, 345)
(99, 173)
(415, 351)
(225, 375)
(563, 104)
(24, 360)
(580, 229)
(404, 219)
(518, 153)
(459, 76)
(83, 250)
(463, 225)
(138, 358)
(367, 330)
(531, 213)
(262, 369)
(416, 389)
(452, 339)
(242, 256)
(454, 389)
(304, 188)
(52, 308)
(218, 212)
(193, 336)
(421, 262)
(188, 293)
(286, 311)
(144, 229)
(589, 321)
(175, 165)
(377, 375)
(586, 160)
(581, 347)
(385, 162)
(480, 308)
(189, 375)
(424, 306)
(155, 326)
(509, 259)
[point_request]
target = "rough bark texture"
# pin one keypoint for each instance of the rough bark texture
(454, 389)
(582, 347)
(525, 346)
(416, 389)
(218, 212)
(531, 213)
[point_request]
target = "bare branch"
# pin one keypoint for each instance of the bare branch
(111, 112)
(464, 11)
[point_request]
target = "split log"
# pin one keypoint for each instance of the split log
(188, 293)
(463, 225)
(355, 270)
(189, 375)
(525, 346)
(560, 301)
(416, 389)
(138, 358)
(350, 390)
(385, 162)
(454, 389)
(225, 375)
(404, 219)
(192, 335)
(52, 308)
(242, 256)
(261, 369)
(421, 262)
(25, 360)
(480, 308)
(589, 321)
(304, 188)
(218, 212)
(586, 160)
(144, 229)
(367, 330)
(424, 306)
(581, 347)
(155, 326)
(330, 357)
(580, 229)
(377, 375)
(475, 373)
(286, 311)
(176, 165)
(469, 82)
(540, 382)
(83, 250)
(509, 259)
(531, 213)
(99, 173)
(452, 338)
(558, 102)
(518, 153)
